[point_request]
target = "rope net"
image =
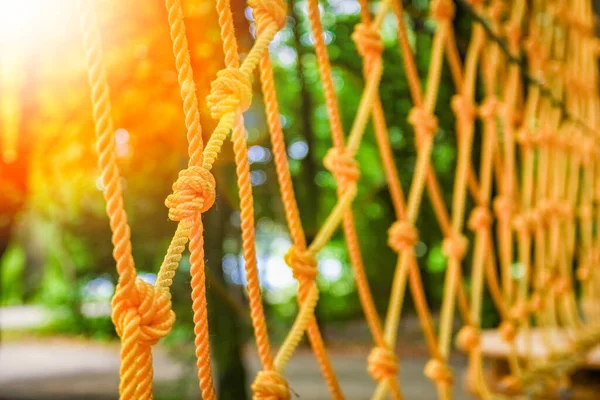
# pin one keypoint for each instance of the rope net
(535, 192)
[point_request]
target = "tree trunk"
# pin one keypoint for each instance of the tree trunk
(225, 326)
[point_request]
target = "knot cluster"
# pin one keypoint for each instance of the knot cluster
(193, 193)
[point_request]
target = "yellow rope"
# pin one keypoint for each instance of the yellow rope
(542, 167)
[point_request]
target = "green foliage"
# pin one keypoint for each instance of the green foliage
(11, 271)
(68, 196)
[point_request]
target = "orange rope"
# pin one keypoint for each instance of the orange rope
(545, 214)
(303, 265)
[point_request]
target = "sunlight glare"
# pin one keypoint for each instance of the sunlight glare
(32, 22)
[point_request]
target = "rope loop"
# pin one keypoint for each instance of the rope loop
(438, 371)
(193, 193)
(455, 246)
(489, 107)
(468, 338)
(302, 263)
(342, 165)
(463, 108)
(424, 122)
(270, 385)
(382, 363)
(231, 92)
(402, 235)
(480, 218)
(442, 10)
(267, 12)
(150, 317)
(368, 41)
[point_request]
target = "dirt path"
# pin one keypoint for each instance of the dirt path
(71, 369)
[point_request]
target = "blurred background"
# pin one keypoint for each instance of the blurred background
(56, 269)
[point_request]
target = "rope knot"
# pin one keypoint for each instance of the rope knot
(585, 213)
(512, 384)
(528, 138)
(468, 338)
(368, 40)
(562, 142)
(595, 257)
(342, 165)
(402, 235)
(303, 263)
(583, 273)
(535, 219)
(534, 53)
(480, 218)
(586, 148)
(463, 108)
(193, 193)
(423, 121)
(495, 9)
(508, 331)
(231, 92)
(528, 221)
(545, 136)
(513, 33)
(438, 371)
(502, 207)
(536, 303)
(548, 208)
(382, 363)
(267, 12)
(455, 246)
(562, 285)
(519, 311)
(565, 211)
(489, 107)
(520, 223)
(150, 315)
(442, 10)
(270, 385)
(545, 279)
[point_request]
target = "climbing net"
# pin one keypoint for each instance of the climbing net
(534, 192)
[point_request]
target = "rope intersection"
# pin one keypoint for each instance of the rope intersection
(535, 192)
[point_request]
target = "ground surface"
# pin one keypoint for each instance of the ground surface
(70, 369)
(67, 368)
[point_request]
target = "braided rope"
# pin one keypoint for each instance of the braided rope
(548, 209)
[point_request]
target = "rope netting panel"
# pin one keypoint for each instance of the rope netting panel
(535, 192)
